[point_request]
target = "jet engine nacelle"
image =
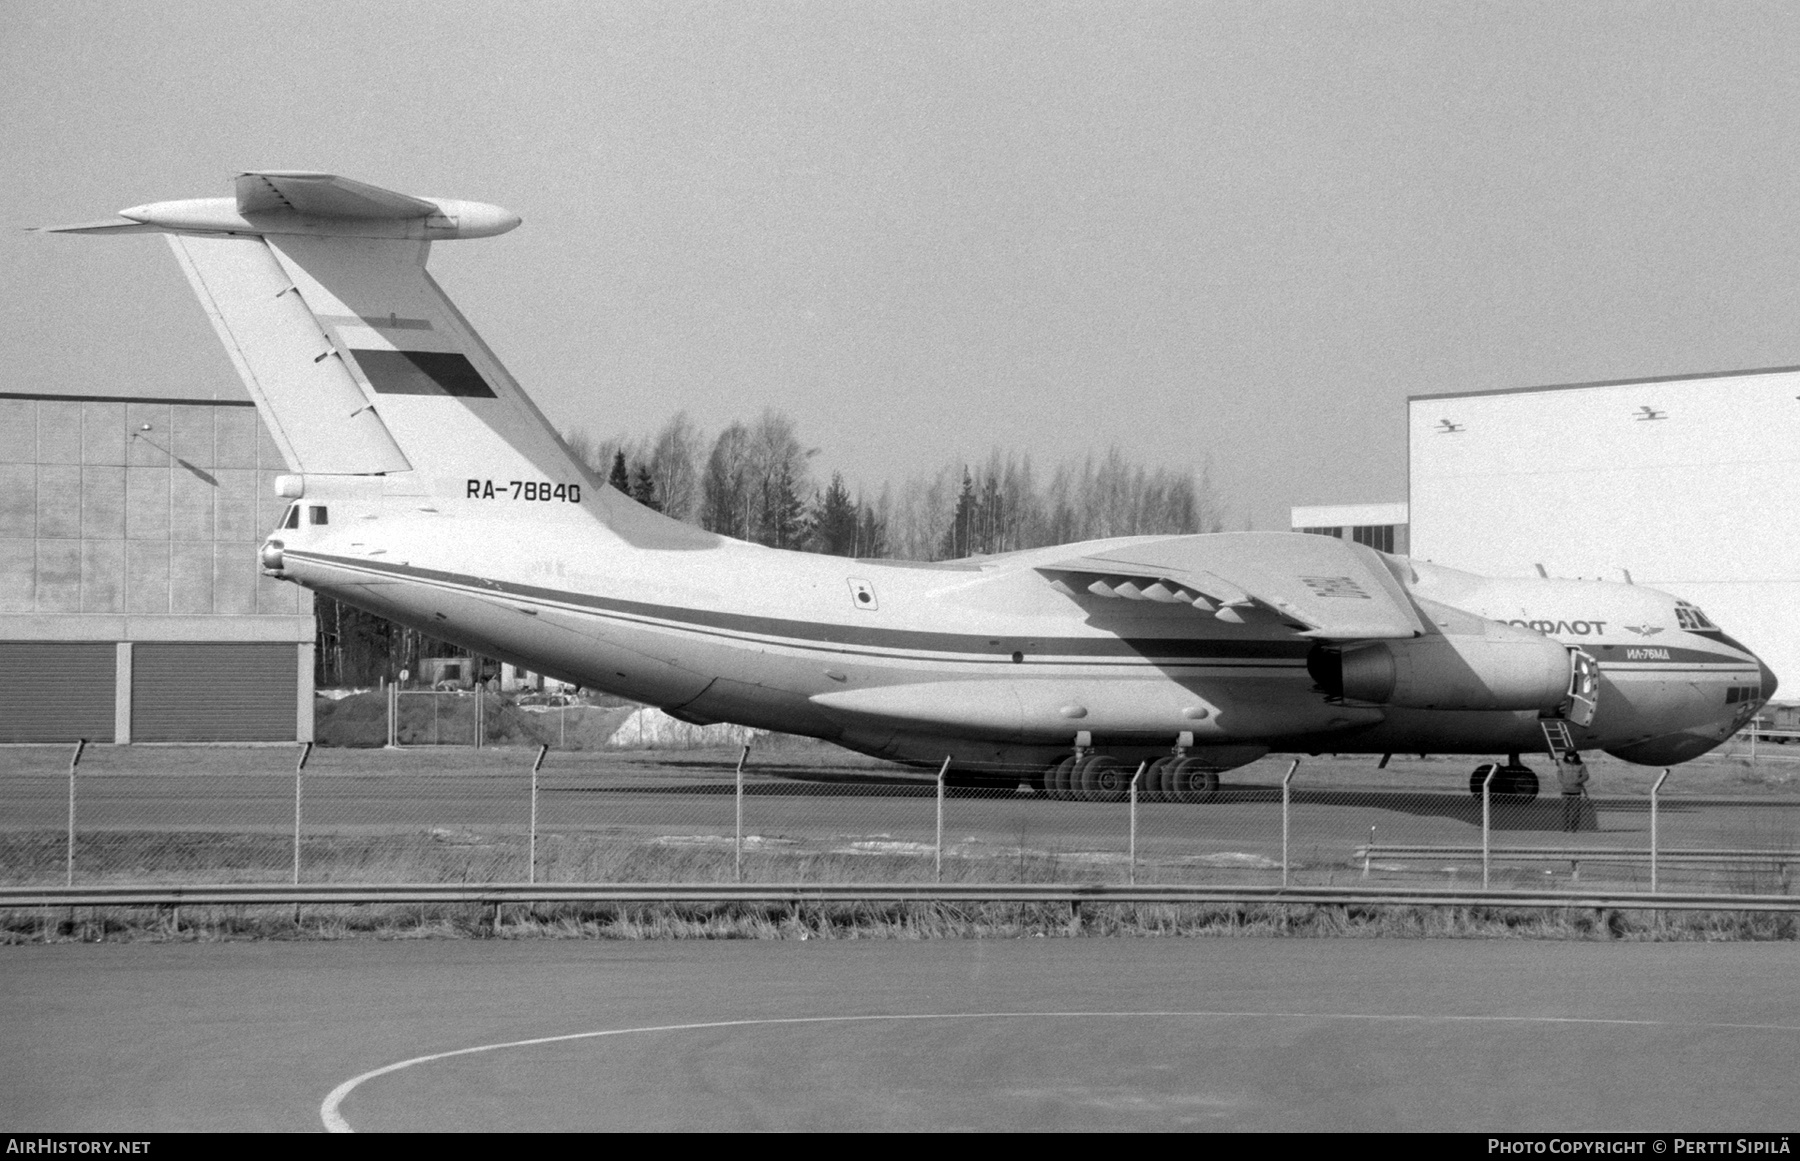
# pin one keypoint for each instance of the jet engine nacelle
(1495, 671)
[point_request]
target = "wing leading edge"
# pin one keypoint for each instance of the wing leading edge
(1329, 588)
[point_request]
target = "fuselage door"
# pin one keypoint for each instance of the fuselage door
(1584, 688)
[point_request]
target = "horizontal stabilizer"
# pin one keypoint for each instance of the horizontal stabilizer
(292, 202)
(110, 226)
(323, 195)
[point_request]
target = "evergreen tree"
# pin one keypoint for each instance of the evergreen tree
(783, 517)
(989, 533)
(958, 536)
(871, 533)
(620, 477)
(834, 520)
(643, 487)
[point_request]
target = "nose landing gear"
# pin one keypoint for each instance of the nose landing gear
(1514, 780)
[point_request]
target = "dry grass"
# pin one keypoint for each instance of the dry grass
(906, 921)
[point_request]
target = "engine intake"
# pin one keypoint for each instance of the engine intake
(1490, 672)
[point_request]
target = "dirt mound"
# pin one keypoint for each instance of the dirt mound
(652, 729)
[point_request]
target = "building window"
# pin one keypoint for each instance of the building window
(1377, 536)
(1337, 532)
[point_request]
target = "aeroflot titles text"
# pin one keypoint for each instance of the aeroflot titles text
(1677, 1145)
(1572, 628)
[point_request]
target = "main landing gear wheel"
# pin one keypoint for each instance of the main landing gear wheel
(1154, 786)
(1192, 780)
(1101, 778)
(1056, 779)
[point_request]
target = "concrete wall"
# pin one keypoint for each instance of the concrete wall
(98, 513)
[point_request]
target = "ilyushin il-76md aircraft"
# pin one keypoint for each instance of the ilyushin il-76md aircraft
(427, 488)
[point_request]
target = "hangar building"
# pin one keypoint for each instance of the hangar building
(1380, 526)
(132, 606)
(1687, 483)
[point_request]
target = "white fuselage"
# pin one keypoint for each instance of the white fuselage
(978, 660)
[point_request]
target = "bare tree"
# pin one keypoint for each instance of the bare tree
(675, 465)
(724, 491)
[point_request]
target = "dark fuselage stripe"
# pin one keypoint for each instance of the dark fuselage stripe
(802, 634)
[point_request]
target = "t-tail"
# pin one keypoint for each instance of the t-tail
(360, 365)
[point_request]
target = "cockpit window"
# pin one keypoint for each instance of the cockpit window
(293, 517)
(1689, 617)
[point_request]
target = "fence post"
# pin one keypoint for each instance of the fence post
(1486, 817)
(69, 854)
(393, 708)
(1131, 843)
(1286, 778)
(1655, 788)
(531, 872)
(480, 724)
(938, 846)
(305, 752)
(737, 847)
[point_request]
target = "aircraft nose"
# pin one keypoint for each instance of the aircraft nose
(1769, 683)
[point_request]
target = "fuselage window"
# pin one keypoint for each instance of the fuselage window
(317, 516)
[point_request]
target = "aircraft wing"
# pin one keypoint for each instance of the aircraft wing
(1328, 588)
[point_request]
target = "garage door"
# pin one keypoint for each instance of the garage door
(213, 692)
(57, 691)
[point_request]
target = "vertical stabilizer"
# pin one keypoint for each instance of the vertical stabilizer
(358, 362)
(317, 413)
(449, 404)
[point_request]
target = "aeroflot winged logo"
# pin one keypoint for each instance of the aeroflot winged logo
(1644, 630)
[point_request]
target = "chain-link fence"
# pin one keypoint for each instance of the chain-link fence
(798, 812)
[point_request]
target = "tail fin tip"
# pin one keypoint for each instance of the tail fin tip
(276, 201)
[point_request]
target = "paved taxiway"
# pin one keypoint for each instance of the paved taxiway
(1320, 1034)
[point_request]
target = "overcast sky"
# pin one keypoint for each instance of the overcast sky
(1236, 233)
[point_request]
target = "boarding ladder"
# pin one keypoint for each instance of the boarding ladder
(1557, 737)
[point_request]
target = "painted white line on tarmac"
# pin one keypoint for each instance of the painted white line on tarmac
(335, 1122)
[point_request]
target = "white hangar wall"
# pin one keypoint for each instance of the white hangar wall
(1691, 483)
